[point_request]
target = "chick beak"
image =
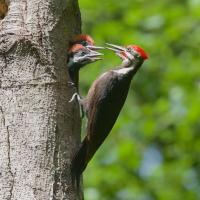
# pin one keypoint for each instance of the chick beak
(94, 56)
(92, 47)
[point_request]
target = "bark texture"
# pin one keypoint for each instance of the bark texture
(39, 129)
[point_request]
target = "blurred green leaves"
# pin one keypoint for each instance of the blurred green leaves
(159, 126)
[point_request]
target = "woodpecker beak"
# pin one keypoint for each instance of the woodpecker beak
(115, 48)
(91, 47)
(94, 56)
(89, 57)
(120, 51)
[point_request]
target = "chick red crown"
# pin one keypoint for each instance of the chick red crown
(83, 37)
(76, 47)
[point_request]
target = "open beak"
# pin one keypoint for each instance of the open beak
(120, 51)
(93, 55)
(115, 48)
(92, 47)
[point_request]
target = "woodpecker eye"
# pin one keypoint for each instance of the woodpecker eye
(129, 50)
(80, 53)
(83, 53)
(84, 43)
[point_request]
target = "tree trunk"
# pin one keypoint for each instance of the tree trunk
(39, 128)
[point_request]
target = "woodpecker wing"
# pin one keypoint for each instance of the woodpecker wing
(104, 102)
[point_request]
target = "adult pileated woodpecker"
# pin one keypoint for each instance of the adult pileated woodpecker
(79, 56)
(104, 103)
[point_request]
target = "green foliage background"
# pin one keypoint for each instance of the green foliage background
(153, 151)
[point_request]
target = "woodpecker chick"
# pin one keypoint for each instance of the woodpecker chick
(85, 41)
(79, 56)
(104, 102)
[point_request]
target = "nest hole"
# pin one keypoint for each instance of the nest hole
(3, 9)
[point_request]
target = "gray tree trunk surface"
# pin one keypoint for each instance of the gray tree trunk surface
(39, 129)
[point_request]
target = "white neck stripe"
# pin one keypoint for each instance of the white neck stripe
(123, 70)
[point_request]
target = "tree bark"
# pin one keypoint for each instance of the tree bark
(39, 128)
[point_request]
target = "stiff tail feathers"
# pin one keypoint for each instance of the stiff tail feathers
(79, 163)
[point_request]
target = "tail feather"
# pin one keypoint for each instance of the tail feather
(79, 163)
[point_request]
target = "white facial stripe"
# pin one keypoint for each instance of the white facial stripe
(123, 70)
(130, 56)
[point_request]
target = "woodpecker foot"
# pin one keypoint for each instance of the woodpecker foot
(71, 83)
(80, 102)
(75, 95)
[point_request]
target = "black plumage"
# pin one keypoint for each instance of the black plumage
(103, 104)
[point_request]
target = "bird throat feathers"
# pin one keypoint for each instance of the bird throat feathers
(124, 70)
